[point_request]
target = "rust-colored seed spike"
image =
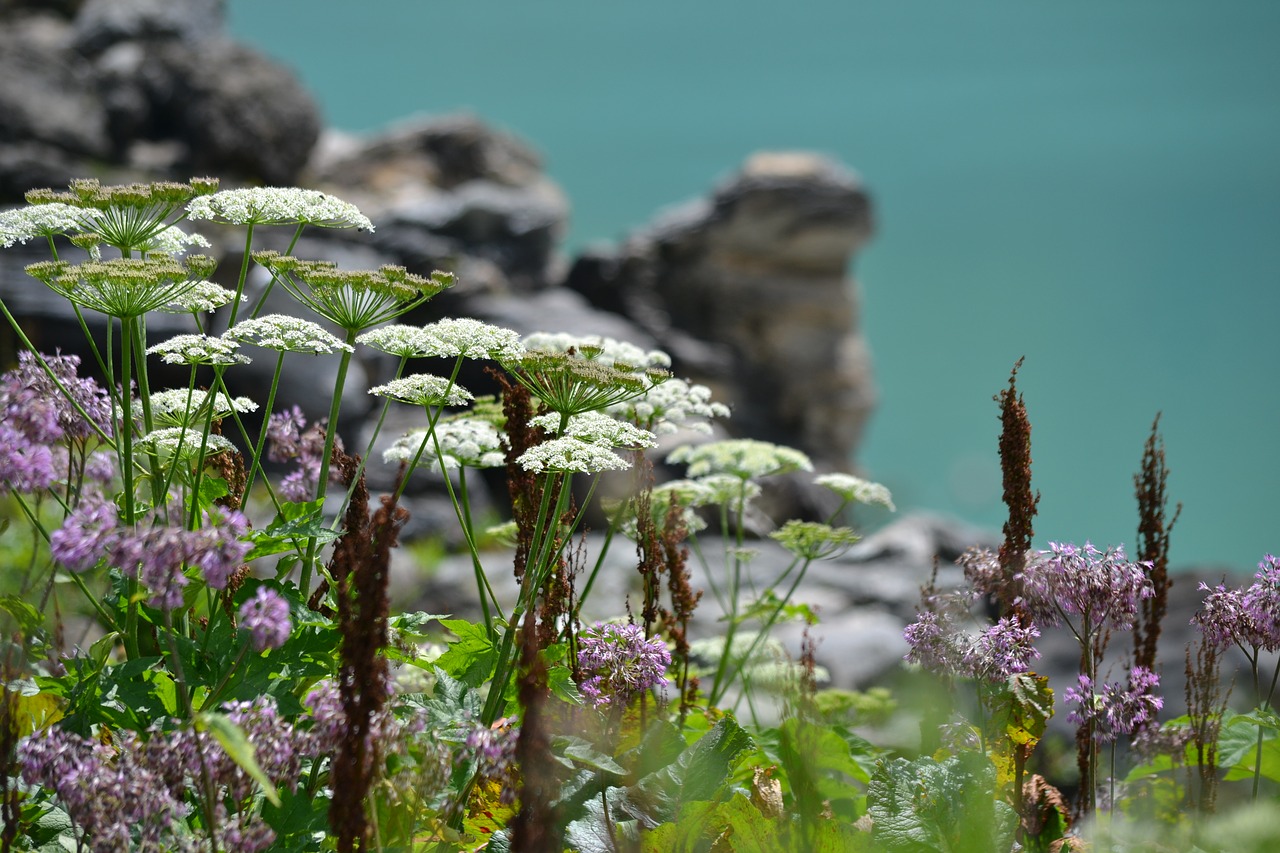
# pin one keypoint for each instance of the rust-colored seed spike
(1153, 544)
(1015, 467)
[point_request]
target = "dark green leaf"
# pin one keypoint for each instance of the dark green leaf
(925, 805)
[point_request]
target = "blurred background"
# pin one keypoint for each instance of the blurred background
(1094, 186)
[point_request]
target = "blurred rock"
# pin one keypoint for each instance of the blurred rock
(760, 269)
(103, 23)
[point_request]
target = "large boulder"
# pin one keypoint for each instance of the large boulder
(760, 268)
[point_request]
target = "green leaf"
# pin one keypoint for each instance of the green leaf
(701, 772)
(26, 615)
(417, 624)
(212, 488)
(295, 523)
(238, 748)
(582, 751)
(820, 769)
(925, 805)
(472, 656)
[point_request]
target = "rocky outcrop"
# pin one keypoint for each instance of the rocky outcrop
(760, 269)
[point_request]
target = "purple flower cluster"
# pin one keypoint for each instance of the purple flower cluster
(266, 617)
(617, 663)
(1249, 617)
(494, 749)
(292, 439)
(939, 644)
(1115, 708)
(113, 796)
(36, 420)
(155, 553)
(329, 726)
(1101, 587)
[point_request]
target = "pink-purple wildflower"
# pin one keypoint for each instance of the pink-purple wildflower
(617, 662)
(266, 617)
(1249, 617)
(291, 439)
(1100, 587)
(939, 644)
(1115, 708)
(494, 749)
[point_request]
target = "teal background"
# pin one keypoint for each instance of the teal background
(1094, 185)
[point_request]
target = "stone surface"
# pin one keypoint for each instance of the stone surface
(103, 23)
(760, 268)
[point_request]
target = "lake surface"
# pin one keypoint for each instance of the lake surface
(1093, 185)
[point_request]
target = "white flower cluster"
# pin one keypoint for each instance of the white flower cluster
(278, 206)
(198, 349)
(673, 405)
(464, 442)
(399, 340)
(424, 389)
(184, 443)
(571, 455)
(286, 334)
(597, 428)
(469, 338)
(598, 348)
(172, 241)
(41, 220)
(744, 458)
(856, 490)
(200, 296)
(183, 406)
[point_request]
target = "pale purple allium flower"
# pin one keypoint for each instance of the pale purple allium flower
(87, 534)
(266, 617)
(1101, 587)
(1006, 648)
(939, 644)
(1116, 708)
(982, 570)
(119, 802)
(292, 439)
(495, 753)
(1249, 617)
(216, 548)
(617, 663)
(329, 726)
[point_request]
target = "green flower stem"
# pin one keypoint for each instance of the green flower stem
(772, 618)
(244, 275)
(97, 354)
(462, 508)
(331, 433)
(368, 449)
(718, 684)
(139, 341)
(262, 300)
(211, 699)
(125, 428)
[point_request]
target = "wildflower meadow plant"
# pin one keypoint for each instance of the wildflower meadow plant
(238, 681)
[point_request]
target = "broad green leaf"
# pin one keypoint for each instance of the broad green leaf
(926, 805)
(701, 772)
(295, 523)
(1018, 712)
(238, 748)
(820, 770)
(582, 751)
(472, 656)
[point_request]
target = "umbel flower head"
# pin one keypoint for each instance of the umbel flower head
(201, 297)
(424, 389)
(1115, 708)
(120, 287)
(597, 428)
(41, 221)
(278, 206)
(286, 334)
(670, 406)
(178, 407)
(353, 300)
(576, 381)
(198, 349)
(127, 217)
(744, 458)
(266, 617)
(810, 540)
(1248, 617)
(464, 443)
(853, 489)
(1099, 587)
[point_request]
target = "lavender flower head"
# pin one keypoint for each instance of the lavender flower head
(1249, 617)
(617, 663)
(266, 617)
(1115, 708)
(494, 748)
(292, 439)
(1098, 586)
(941, 645)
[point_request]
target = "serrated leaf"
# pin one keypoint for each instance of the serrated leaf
(701, 772)
(238, 748)
(296, 522)
(819, 767)
(472, 656)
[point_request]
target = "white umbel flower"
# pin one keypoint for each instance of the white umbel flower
(184, 443)
(202, 296)
(744, 458)
(469, 338)
(172, 241)
(278, 206)
(571, 455)
(42, 220)
(400, 340)
(671, 406)
(465, 442)
(424, 389)
(857, 490)
(283, 333)
(598, 348)
(198, 349)
(597, 428)
(182, 406)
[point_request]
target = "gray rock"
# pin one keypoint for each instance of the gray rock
(103, 23)
(760, 268)
(47, 94)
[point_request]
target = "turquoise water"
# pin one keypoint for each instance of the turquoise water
(1093, 185)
